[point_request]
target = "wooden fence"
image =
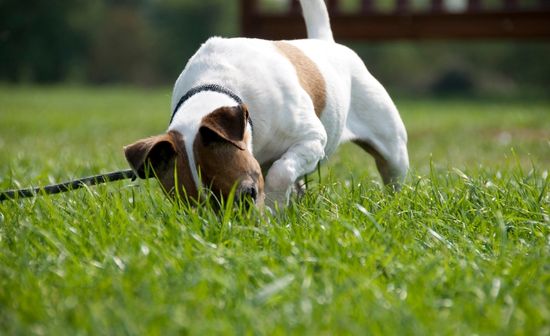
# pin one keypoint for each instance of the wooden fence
(476, 20)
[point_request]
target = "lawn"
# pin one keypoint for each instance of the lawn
(464, 248)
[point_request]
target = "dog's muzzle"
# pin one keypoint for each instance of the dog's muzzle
(247, 194)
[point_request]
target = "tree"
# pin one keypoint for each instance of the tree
(38, 40)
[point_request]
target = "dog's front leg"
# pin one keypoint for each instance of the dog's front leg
(298, 160)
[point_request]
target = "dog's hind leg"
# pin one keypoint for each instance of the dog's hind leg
(392, 168)
(375, 125)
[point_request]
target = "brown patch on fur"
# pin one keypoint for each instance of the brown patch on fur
(229, 123)
(221, 154)
(164, 153)
(310, 77)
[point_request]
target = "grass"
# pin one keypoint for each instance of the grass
(463, 249)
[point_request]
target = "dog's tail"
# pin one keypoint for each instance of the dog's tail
(317, 21)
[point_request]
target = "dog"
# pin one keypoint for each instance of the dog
(247, 108)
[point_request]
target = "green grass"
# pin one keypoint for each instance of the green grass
(463, 249)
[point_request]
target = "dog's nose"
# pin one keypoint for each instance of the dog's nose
(248, 192)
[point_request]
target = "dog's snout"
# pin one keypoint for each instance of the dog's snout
(248, 192)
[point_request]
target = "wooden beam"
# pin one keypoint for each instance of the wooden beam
(436, 6)
(401, 6)
(333, 6)
(510, 4)
(249, 15)
(474, 5)
(367, 6)
(468, 25)
(295, 6)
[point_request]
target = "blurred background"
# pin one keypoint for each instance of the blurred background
(147, 43)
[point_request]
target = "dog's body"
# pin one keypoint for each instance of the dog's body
(302, 98)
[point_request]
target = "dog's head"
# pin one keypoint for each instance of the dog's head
(221, 154)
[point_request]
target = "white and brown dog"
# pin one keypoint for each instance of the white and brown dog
(245, 106)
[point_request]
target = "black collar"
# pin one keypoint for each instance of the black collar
(202, 88)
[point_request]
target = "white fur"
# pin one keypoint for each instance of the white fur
(317, 20)
(287, 132)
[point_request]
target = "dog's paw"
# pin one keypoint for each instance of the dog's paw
(276, 200)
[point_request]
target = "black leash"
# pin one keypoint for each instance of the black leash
(68, 186)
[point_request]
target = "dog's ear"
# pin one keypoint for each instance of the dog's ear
(225, 124)
(159, 151)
